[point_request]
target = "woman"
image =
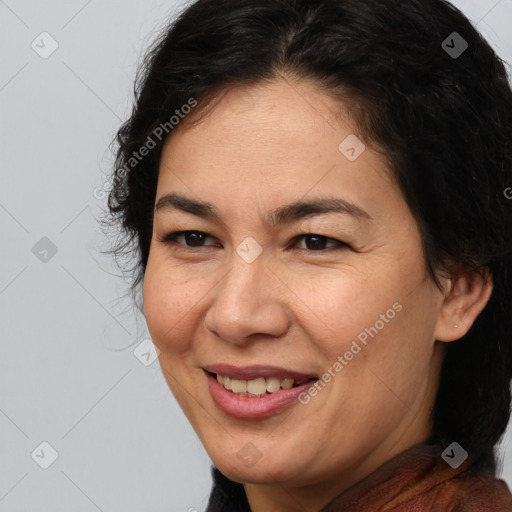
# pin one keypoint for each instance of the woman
(315, 191)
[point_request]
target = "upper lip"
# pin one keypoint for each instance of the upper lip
(256, 371)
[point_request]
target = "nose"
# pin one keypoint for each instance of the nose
(249, 303)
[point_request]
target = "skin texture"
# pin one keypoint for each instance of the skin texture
(295, 306)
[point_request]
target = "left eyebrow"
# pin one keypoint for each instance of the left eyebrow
(301, 209)
(286, 214)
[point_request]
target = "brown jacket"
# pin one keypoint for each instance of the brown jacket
(417, 480)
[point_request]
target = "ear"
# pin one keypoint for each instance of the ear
(465, 298)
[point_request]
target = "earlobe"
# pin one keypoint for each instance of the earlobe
(466, 297)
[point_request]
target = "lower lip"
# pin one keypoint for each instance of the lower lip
(257, 407)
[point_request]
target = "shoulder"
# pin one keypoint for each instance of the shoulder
(477, 492)
(418, 480)
(465, 491)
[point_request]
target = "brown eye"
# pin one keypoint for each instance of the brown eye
(317, 243)
(191, 238)
(194, 238)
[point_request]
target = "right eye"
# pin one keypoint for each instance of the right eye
(191, 238)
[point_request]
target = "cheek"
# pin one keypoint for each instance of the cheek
(340, 309)
(374, 322)
(171, 305)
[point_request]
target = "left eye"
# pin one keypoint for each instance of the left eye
(313, 242)
(318, 242)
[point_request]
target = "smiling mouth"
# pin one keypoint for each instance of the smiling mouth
(259, 387)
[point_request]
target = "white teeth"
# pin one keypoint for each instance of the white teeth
(273, 384)
(287, 383)
(256, 387)
(239, 386)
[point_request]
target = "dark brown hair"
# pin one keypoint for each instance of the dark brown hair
(444, 122)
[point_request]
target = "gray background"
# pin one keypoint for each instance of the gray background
(69, 375)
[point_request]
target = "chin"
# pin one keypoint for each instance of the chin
(259, 474)
(240, 468)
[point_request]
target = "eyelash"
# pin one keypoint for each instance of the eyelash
(171, 238)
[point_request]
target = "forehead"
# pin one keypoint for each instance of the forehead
(282, 106)
(277, 142)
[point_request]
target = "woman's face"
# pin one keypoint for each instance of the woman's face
(248, 294)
